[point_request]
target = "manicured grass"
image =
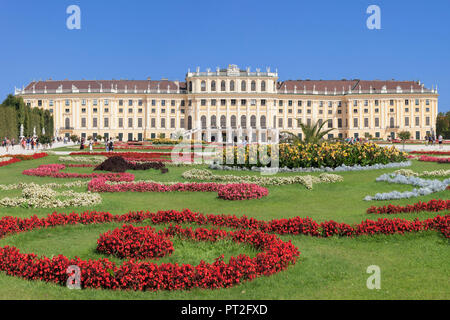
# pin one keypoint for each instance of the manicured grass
(413, 266)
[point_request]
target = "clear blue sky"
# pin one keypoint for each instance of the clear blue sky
(135, 39)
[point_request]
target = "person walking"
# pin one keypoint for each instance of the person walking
(90, 145)
(440, 140)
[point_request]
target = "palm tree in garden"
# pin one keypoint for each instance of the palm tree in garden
(312, 133)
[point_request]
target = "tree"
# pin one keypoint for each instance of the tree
(99, 137)
(313, 133)
(74, 138)
(404, 135)
(443, 124)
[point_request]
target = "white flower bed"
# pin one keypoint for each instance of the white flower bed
(87, 160)
(22, 185)
(306, 180)
(37, 196)
(4, 159)
(425, 187)
(435, 173)
(342, 168)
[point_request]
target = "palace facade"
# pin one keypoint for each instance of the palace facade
(234, 104)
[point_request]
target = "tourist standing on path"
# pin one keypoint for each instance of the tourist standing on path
(90, 145)
(440, 139)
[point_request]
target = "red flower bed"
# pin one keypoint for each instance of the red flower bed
(436, 153)
(434, 159)
(134, 155)
(21, 157)
(238, 191)
(276, 256)
(54, 171)
(10, 161)
(432, 206)
(134, 242)
(242, 191)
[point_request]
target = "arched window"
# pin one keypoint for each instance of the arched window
(223, 122)
(253, 85)
(243, 85)
(233, 121)
(262, 122)
(189, 124)
(232, 85)
(67, 123)
(213, 85)
(263, 86)
(203, 121)
(190, 86)
(253, 122)
(244, 122)
(222, 85)
(213, 122)
(203, 85)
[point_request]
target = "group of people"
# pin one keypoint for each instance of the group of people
(353, 140)
(109, 144)
(431, 140)
(27, 143)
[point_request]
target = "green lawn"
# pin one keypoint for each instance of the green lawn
(413, 266)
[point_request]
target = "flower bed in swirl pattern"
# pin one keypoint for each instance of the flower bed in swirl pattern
(276, 256)
(135, 242)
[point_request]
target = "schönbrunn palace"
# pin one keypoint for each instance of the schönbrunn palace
(233, 101)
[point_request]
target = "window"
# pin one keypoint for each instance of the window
(355, 122)
(406, 121)
(190, 86)
(308, 111)
(366, 103)
(83, 122)
(120, 102)
(139, 122)
(377, 122)
(213, 121)
(339, 123)
(355, 103)
(280, 122)
(94, 122)
(130, 110)
(377, 110)
(244, 122)
(376, 102)
(417, 121)
(366, 110)
(120, 110)
(262, 121)
(163, 103)
(213, 102)
(366, 122)
(83, 102)
(406, 102)
(222, 85)
(243, 102)
(153, 102)
(232, 85)
(203, 102)
(83, 110)
(427, 121)
(299, 110)
(233, 121)
(130, 122)
(172, 111)
(263, 86)
(263, 102)
(391, 122)
(223, 121)
(163, 123)
(330, 123)
(95, 102)
(299, 103)
(106, 102)
(106, 110)
(140, 102)
(280, 103)
(120, 122)
(253, 122)
(308, 103)
(243, 85)
(67, 102)
(94, 110)
(417, 102)
(391, 102)
(67, 111)
(163, 110)
(223, 102)
(427, 102)
(172, 103)
(140, 110)
(406, 109)
(290, 122)
(253, 102)
(50, 103)
(172, 123)
(153, 110)
(233, 102)
(106, 122)
(253, 85)
(153, 122)
(203, 85)
(213, 85)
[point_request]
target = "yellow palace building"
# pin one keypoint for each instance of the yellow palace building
(233, 104)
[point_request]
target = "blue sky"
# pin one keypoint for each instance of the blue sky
(136, 39)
